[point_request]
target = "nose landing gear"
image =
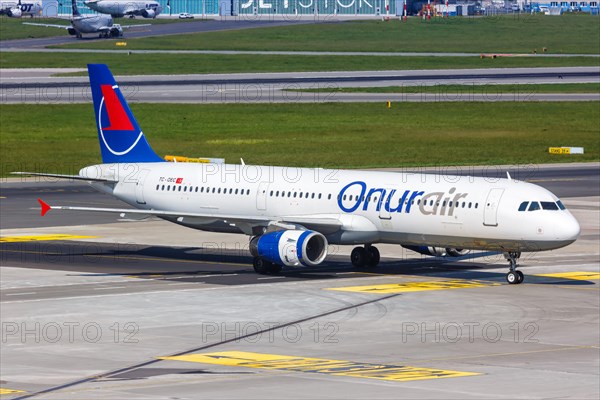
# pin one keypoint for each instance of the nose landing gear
(514, 277)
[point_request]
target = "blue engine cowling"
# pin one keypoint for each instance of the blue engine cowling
(438, 251)
(290, 247)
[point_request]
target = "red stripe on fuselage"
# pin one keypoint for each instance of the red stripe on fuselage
(119, 121)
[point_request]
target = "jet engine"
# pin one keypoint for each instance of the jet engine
(14, 12)
(148, 13)
(438, 251)
(293, 248)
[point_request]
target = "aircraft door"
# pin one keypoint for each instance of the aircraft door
(261, 196)
(139, 186)
(384, 203)
(490, 210)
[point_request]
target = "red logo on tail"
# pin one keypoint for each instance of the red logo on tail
(119, 121)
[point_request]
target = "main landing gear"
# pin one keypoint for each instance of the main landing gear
(265, 267)
(367, 256)
(513, 276)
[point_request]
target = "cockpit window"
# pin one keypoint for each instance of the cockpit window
(534, 206)
(560, 205)
(549, 205)
(523, 206)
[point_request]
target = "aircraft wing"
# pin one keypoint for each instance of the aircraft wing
(243, 222)
(48, 25)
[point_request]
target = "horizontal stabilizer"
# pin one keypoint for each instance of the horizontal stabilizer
(61, 176)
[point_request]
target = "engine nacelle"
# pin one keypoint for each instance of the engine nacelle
(148, 13)
(438, 251)
(453, 252)
(290, 247)
(15, 12)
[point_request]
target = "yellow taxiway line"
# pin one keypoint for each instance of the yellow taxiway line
(399, 373)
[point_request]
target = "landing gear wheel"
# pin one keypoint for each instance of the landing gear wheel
(359, 257)
(520, 276)
(261, 266)
(374, 256)
(274, 269)
(512, 278)
(265, 267)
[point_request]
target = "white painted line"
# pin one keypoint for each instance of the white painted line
(272, 277)
(112, 287)
(20, 294)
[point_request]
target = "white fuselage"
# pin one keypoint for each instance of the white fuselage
(92, 23)
(119, 8)
(372, 206)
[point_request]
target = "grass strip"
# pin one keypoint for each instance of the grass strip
(166, 64)
(63, 138)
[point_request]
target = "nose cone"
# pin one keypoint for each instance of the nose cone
(569, 229)
(566, 231)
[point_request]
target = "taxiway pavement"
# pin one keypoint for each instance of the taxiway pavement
(16, 86)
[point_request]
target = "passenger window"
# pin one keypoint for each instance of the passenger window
(319, 196)
(560, 205)
(470, 204)
(549, 205)
(163, 187)
(523, 206)
(329, 196)
(534, 206)
(476, 205)
(313, 196)
(196, 189)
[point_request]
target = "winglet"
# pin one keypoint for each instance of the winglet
(45, 206)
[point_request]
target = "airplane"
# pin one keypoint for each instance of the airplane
(80, 24)
(292, 214)
(16, 9)
(120, 8)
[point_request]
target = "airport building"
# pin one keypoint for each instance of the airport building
(265, 7)
(292, 8)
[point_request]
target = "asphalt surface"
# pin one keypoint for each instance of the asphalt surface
(150, 309)
(16, 86)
